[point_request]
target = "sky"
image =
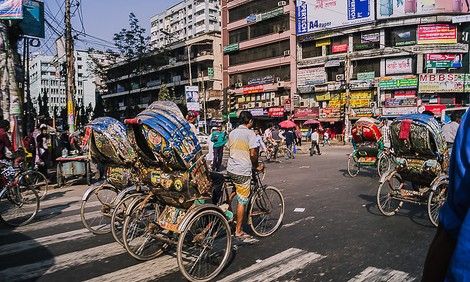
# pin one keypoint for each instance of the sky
(101, 18)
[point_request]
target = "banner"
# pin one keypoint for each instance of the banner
(318, 15)
(276, 112)
(398, 82)
(404, 37)
(444, 60)
(437, 34)
(192, 98)
(387, 9)
(311, 76)
(11, 9)
(399, 65)
(399, 111)
(307, 113)
(253, 89)
(443, 82)
(339, 48)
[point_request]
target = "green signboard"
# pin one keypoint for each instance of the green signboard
(210, 73)
(231, 47)
(400, 83)
(271, 14)
(366, 75)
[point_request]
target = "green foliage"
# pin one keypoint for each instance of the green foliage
(43, 105)
(164, 94)
(132, 43)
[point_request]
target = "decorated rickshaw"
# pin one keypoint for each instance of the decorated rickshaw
(368, 148)
(421, 166)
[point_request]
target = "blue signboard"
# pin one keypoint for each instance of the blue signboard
(33, 18)
(358, 9)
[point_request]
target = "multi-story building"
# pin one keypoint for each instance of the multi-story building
(259, 57)
(45, 77)
(185, 20)
(407, 58)
(137, 83)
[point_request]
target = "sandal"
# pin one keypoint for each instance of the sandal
(243, 236)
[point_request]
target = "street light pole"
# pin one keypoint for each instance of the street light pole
(348, 98)
(189, 65)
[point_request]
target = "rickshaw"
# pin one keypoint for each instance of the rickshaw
(368, 148)
(178, 208)
(421, 166)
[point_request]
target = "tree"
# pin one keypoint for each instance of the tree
(89, 112)
(164, 94)
(99, 107)
(44, 105)
(132, 43)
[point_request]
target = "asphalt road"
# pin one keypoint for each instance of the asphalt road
(332, 231)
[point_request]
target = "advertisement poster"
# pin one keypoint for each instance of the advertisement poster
(398, 82)
(33, 18)
(444, 60)
(318, 15)
(399, 65)
(404, 37)
(443, 82)
(437, 34)
(253, 89)
(387, 9)
(339, 48)
(11, 9)
(311, 76)
(192, 98)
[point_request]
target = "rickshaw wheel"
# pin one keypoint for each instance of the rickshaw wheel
(436, 200)
(119, 215)
(140, 233)
(97, 218)
(384, 163)
(353, 167)
(204, 246)
(386, 201)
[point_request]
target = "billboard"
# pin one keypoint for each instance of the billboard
(192, 98)
(443, 82)
(319, 15)
(387, 9)
(437, 34)
(404, 37)
(444, 60)
(398, 82)
(399, 65)
(11, 9)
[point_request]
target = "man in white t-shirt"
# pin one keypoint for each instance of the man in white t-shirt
(315, 143)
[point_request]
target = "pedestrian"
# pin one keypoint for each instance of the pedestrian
(219, 138)
(242, 159)
(450, 129)
(290, 139)
(210, 153)
(261, 146)
(326, 138)
(276, 140)
(6, 148)
(315, 143)
(298, 137)
(42, 141)
(449, 253)
(267, 136)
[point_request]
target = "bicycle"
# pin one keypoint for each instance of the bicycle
(19, 203)
(35, 179)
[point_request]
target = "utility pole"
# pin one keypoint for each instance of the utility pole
(204, 108)
(347, 70)
(69, 85)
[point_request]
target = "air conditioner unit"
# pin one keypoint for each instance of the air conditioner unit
(431, 70)
(339, 77)
(281, 3)
(239, 84)
(268, 104)
(286, 52)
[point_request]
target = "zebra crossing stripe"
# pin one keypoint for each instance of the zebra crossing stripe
(45, 241)
(48, 223)
(61, 201)
(54, 209)
(62, 262)
(275, 267)
(376, 274)
(145, 271)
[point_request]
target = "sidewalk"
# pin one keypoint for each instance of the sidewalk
(305, 148)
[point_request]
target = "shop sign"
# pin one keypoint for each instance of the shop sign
(323, 42)
(253, 89)
(366, 75)
(307, 113)
(359, 103)
(321, 88)
(437, 34)
(368, 41)
(332, 63)
(306, 89)
(360, 95)
(435, 109)
(329, 112)
(362, 112)
(276, 112)
(399, 65)
(400, 102)
(334, 86)
(443, 60)
(287, 104)
(398, 82)
(271, 14)
(339, 48)
(261, 80)
(231, 48)
(360, 84)
(404, 37)
(311, 76)
(399, 111)
(258, 112)
(404, 94)
(443, 82)
(323, 97)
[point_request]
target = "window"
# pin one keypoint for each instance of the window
(250, 8)
(310, 50)
(283, 72)
(338, 45)
(372, 65)
(333, 72)
(259, 53)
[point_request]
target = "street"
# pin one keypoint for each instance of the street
(332, 231)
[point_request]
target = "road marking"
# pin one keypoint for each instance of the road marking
(274, 267)
(60, 208)
(297, 222)
(61, 200)
(376, 274)
(48, 223)
(145, 271)
(48, 266)
(45, 241)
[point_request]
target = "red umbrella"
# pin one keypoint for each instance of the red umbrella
(287, 124)
(311, 121)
